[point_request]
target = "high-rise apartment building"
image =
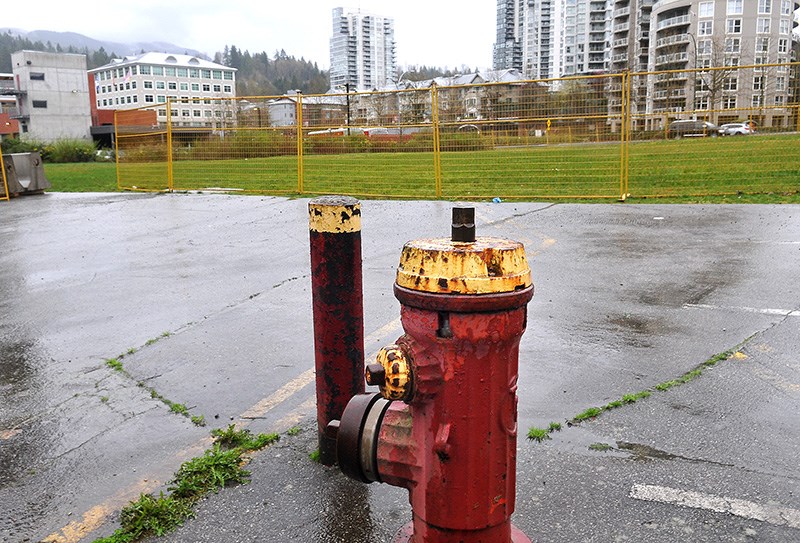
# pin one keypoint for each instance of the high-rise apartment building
(529, 37)
(693, 35)
(362, 50)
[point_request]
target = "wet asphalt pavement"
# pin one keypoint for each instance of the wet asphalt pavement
(208, 297)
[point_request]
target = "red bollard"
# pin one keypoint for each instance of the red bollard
(335, 236)
(445, 423)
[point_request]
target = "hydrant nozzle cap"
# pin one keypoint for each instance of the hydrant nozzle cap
(487, 265)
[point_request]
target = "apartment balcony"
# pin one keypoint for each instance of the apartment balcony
(671, 77)
(622, 42)
(17, 114)
(622, 12)
(672, 40)
(8, 89)
(620, 58)
(671, 59)
(680, 20)
(622, 27)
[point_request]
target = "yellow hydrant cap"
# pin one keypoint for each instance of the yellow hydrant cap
(484, 266)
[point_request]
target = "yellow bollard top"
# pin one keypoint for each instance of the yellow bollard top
(484, 266)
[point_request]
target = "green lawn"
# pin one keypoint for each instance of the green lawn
(763, 164)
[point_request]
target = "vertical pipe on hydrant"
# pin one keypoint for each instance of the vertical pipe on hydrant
(444, 425)
(337, 298)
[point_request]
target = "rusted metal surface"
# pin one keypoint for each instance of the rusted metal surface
(462, 426)
(336, 289)
(452, 441)
(487, 265)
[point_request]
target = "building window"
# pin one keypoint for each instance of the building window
(133, 85)
(706, 9)
(183, 72)
(732, 45)
(783, 45)
(762, 45)
(135, 99)
(196, 87)
(133, 70)
(206, 88)
(756, 100)
(160, 85)
(158, 70)
(217, 88)
(162, 112)
(39, 104)
(764, 6)
(184, 86)
(762, 25)
(148, 98)
(734, 26)
(758, 83)
(729, 102)
(780, 83)
(169, 71)
(148, 84)
(161, 99)
(194, 72)
(37, 76)
(704, 47)
(228, 76)
(172, 85)
(784, 28)
(701, 103)
(705, 28)
(144, 69)
(207, 74)
(226, 88)
(185, 113)
(217, 74)
(196, 113)
(730, 83)
(786, 7)
(779, 100)
(735, 7)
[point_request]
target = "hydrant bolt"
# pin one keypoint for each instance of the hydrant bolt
(375, 374)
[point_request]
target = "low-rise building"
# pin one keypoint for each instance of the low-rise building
(51, 95)
(199, 91)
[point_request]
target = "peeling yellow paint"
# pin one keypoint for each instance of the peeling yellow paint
(739, 355)
(336, 215)
(485, 266)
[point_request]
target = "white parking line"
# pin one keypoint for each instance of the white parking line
(779, 516)
(762, 311)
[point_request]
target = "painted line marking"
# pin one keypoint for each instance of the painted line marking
(765, 311)
(779, 516)
(97, 515)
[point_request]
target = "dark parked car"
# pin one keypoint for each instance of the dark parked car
(692, 128)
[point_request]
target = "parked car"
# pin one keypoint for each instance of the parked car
(736, 129)
(692, 128)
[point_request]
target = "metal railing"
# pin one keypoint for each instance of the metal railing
(600, 136)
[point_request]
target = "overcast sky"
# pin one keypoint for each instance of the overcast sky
(432, 32)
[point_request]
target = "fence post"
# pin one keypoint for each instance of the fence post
(5, 181)
(169, 145)
(116, 147)
(300, 158)
(437, 156)
(623, 127)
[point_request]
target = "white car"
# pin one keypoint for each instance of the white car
(735, 129)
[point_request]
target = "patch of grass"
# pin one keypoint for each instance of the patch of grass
(293, 431)
(720, 357)
(666, 385)
(104, 399)
(588, 414)
(198, 420)
(178, 408)
(217, 468)
(554, 427)
(633, 398)
(230, 437)
(538, 434)
(115, 364)
(601, 447)
(314, 456)
(613, 405)
(130, 351)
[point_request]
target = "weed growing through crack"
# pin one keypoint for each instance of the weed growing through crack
(588, 414)
(115, 364)
(601, 447)
(198, 420)
(538, 434)
(218, 467)
(554, 427)
(314, 456)
(293, 431)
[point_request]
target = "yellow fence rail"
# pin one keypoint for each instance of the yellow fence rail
(601, 136)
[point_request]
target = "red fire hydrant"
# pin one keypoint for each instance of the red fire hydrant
(444, 425)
